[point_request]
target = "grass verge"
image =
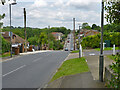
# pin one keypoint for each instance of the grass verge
(108, 48)
(77, 51)
(5, 55)
(71, 67)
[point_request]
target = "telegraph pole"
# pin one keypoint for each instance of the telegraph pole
(101, 59)
(25, 29)
(48, 38)
(74, 31)
(10, 33)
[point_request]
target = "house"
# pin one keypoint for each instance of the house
(91, 32)
(85, 32)
(57, 35)
(16, 40)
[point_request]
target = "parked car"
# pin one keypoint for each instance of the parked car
(66, 49)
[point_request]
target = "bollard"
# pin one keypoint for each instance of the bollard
(80, 50)
(114, 49)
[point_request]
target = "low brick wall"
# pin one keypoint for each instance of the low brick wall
(108, 74)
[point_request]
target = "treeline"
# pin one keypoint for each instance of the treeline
(31, 32)
(41, 37)
(107, 28)
(94, 41)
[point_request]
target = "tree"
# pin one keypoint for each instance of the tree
(85, 26)
(43, 39)
(33, 40)
(113, 12)
(1, 17)
(95, 27)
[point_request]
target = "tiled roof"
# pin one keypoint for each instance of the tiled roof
(18, 39)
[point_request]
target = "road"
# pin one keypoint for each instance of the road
(31, 71)
(97, 53)
(69, 43)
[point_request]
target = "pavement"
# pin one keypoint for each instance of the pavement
(32, 70)
(83, 80)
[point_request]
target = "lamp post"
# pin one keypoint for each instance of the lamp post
(101, 59)
(13, 2)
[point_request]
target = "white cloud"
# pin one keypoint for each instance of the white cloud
(40, 3)
(40, 13)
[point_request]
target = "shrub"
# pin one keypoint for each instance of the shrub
(94, 41)
(5, 45)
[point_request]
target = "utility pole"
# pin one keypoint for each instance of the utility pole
(48, 38)
(25, 30)
(101, 59)
(10, 33)
(74, 31)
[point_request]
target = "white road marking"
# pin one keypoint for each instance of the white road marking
(92, 54)
(13, 71)
(36, 60)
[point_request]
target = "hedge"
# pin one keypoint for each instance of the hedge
(5, 45)
(94, 41)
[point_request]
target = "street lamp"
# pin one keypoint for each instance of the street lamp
(11, 2)
(101, 59)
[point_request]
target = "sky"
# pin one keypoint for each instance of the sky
(54, 13)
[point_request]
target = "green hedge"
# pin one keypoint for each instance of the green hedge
(5, 45)
(94, 41)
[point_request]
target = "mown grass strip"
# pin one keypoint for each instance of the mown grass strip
(108, 48)
(5, 55)
(71, 67)
(77, 51)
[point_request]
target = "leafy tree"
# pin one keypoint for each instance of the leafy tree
(1, 17)
(85, 26)
(43, 39)
(111, 27)
(113, 12)
(33, 40)
(51, 44)
(57, 45)
(95, 27)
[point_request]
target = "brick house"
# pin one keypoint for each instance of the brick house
(85, 32)
(16, 40)
(57, 35)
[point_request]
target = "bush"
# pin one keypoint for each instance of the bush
(5, 45)
(94, 41)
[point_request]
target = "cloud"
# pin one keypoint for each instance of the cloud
(40, 3)
(41, 13)
(84, 4)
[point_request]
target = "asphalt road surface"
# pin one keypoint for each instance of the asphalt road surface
(31, 71)
(96, 53)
